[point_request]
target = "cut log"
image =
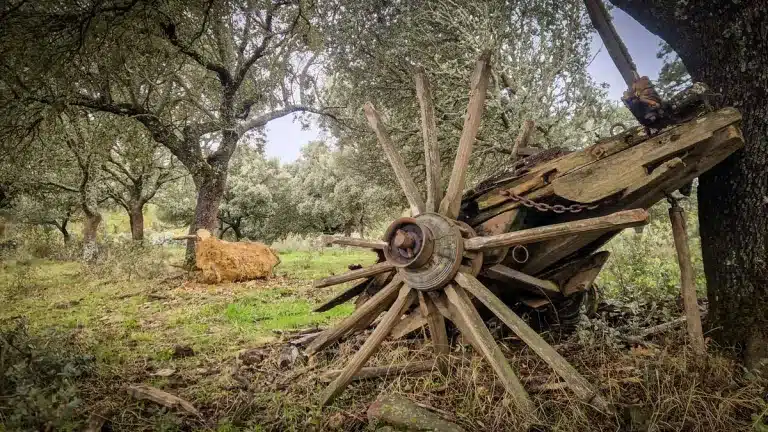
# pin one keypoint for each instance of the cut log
(613, 222)
(404, 300)
(429, 133)
(503, 273)
(472, 324)
(449, 206)
(384, 371)
(367, 311)
(352, 241)
(404, 414)
(145, 392)
(395, 160)
(687, 284)
(375, 269)
(576, 382)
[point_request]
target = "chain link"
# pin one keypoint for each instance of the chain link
(542, 207)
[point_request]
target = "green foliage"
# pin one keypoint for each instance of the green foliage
(673, 77)
(38, 376)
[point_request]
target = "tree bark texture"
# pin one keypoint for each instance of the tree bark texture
(136, 218)
(725, 45)
(90, 230)
(210, 190)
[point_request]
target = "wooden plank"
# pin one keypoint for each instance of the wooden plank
(437, 330)
(472, 324)
(384, 371)
(412, 193)
(576, 382)
(614, 174)
(523, 137)
(687, 283)
(368, 310)
(343, 297)
(449, 206)
(658, 176)
(537, 286)
(404, 300)
(615, 221)
(352, 241)
(373, 270)
(411, 322)
(429, 134)
(586, 275)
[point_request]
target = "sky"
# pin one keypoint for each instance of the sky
(285, 136)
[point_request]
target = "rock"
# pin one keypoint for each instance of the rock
(164, 372)
(145, 392)
(403, 413)
(252, 356)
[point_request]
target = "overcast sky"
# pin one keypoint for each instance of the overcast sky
(286, 137)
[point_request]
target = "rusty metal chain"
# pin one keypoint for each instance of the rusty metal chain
(542, 207)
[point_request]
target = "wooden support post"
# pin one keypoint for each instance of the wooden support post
(522, 138)
(687, 285)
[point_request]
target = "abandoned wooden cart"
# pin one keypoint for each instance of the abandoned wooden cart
(529, 236)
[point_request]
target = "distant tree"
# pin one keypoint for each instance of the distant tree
(673, 76)
(137, 167)
(52, 208)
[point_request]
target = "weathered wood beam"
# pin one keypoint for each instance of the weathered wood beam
(449, 206)
(437, 331)
(535, 285)
(429, 133)
(576, 382)
(412, 193)
(351, 293)
(352, 241)
(612, 222)
(375, 269)
(404, 300)
(372, 372)
(368, 310)
(472, 324)
(523, 137)
(411, 322)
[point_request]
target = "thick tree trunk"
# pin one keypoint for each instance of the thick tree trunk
(90, 230)
(210, 189)
(725, 45)
(62, 227)
(136, 218)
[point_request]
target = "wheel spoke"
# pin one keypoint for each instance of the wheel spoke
(575, 381)
(349, 294)
(471, 323)
(375, 269)
(450, 204)
(429, 133)
(398, 165)
(436, 324)
(612, 222)
(367, 312)
(404, 300)
(352, 241)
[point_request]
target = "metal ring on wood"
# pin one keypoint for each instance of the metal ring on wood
(516, 254)
(615, 125)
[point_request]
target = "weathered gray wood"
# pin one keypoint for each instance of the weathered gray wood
(404, 300)
(472, 324)
(451, 203)
(523, 137)
(406, 415)
(395, 160)
(351, 293)
(436, 324)
(352, 241)
(612, 222)
(687, 283)
(371, 372)
(375, 269)
(168, 400)
(585, 276)
(367, 311)
(429, 133)
(538, 286)
(411, 322)
(578, 383)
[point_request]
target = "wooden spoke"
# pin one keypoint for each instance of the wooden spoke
(611, 222)
(411, 322)
(429, 132)
(450, 204)
(529, 283)
(436, 324)
(398, 165)
(375, 269)
(352, 241)
(351, 293)
(472, 324)
(367, 311)
(404, 300)
(575, 381)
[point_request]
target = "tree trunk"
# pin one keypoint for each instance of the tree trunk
(90, 229)
(725, 45)
(210, 189)
(63, 230)
(236, 230)
(136, 217)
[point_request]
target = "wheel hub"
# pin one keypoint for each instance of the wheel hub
(427, 250)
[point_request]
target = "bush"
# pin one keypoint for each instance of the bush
(37, 379)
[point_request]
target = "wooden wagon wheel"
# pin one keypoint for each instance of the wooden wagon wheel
(434, 259)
